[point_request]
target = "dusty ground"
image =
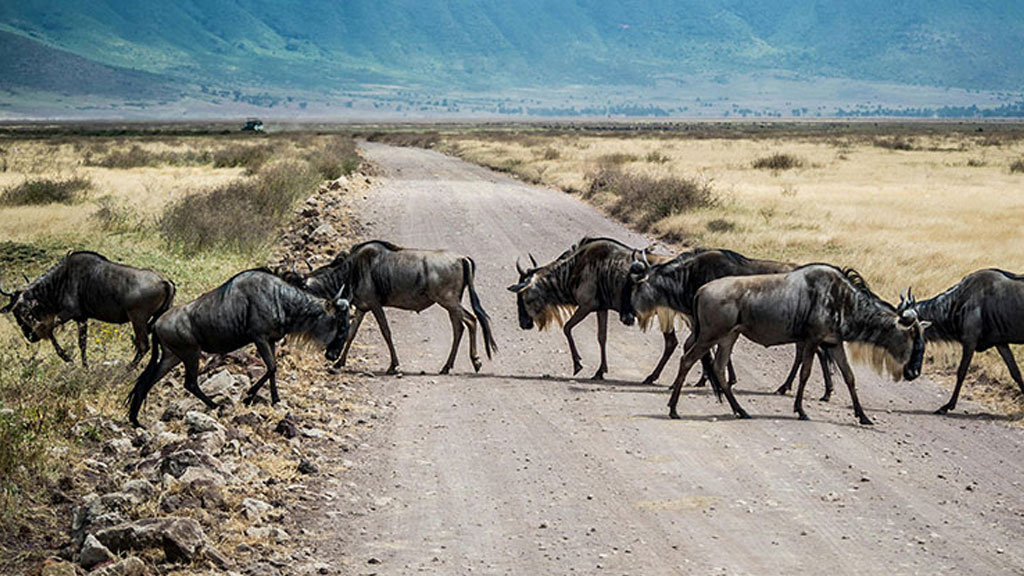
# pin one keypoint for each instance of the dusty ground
(525, 470)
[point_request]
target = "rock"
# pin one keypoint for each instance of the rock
(206, 486)
(216, 558)
(130, 566)
(140, 490)
(307, 467)
(118, 447)
(208, 442)
(287, 428)
(251, 419)
(177, 409)
(178, 462)
(324, 233)
(57, 567)
(198, 422)
(254, 508)
(179, 538)
(222, 383)
(93, 553)
(271, 533)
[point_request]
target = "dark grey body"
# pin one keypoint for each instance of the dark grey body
(380, 274)
(590, 278)
(253, 307)
(84, 286)
(816, 306)
(985, 310)
(675, 283)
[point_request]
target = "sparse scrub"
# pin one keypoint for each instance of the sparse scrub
(976, 162)
(901, 143)
(139, 157)
(656, 157)
(616, 159)
(1017, 166)
(551, 153)
(409, 139)
(248, 156)
(113, 216)
(720, 225)
(39, 191)
(241, 215)
(644, 200)
(337, 157)
(778, 161)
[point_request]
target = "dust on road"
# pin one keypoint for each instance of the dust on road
(524, 470)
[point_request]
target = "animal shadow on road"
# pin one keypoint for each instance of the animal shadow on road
(974, 417)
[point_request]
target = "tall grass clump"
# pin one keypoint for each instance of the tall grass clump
(249, 156)
(778, 161)
(335, 158)
(240, 215)
(39, 191)
(1017, 166)
(644, 200)
(904, 144)
(139, 157)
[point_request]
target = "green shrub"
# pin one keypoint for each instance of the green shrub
(645, 200)
(46, 191)
(249, 156)
(778, 161)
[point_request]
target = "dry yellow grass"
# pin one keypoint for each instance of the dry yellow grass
(922, 218)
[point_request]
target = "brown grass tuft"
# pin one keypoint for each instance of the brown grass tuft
(645, 200)
(778, 161)
(40, 191)
(1017, 166)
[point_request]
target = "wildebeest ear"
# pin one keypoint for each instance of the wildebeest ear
(516, 288)
(925, 324)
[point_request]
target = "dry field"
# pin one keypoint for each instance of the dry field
(196, 208)
(906, 207)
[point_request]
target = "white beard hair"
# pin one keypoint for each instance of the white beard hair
(666, 319)
(877, 358)
(555, 313)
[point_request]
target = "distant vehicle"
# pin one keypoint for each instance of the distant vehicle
(253, 125)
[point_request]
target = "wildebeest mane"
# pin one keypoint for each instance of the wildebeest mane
(384, 243)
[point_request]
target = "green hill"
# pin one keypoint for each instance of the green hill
(238, 50)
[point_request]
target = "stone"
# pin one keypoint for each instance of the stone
(93, 553)
(140, 490)
(208, 442)
(199, 422)
(118, 447)
(216, 558)
(55, 567)
(176, 463)
(179, 538)
(324, 232)
(176, 410)
(271, 533)
(130, 566)
(254, 508)
(287, 428)
(222, 383)
(308, 467)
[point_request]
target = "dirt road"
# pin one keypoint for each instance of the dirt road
(525, 470)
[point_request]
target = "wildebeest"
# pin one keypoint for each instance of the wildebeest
(672, 285)
(379, 274)
(815, 305)
(985, 310)
(83, 286)
(589, 277)
(255, 307)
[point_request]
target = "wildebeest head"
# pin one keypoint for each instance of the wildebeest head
(908, 321)
(530, 301)
(35, 324)
(636, 298)
(338, 311)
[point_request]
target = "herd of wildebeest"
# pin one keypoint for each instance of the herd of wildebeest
(720, 294)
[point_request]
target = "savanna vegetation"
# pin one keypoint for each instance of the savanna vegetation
(906, 204)
(195, 207)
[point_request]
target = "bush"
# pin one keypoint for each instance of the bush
(241, 215)
(337, 157)
(137, 156)
(1017, 166)
(616, 159)
(115, 217)
(46, 191)
(778, 161)
(656, 157)
(645, 200)
(894, 143)
(249, 156)
(720, 225)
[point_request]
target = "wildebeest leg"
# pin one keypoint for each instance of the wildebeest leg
(839, 354)
(826, 372)
(83, 338)
(455, 314)
(690, 357)
(167, 363)
(575, 319)
(671, 342)
(805, 361)
(470, 321)
(732, 371)
(351, 336)
(722, 360)
(60, 351)
(1011, 364)
(797, 358)
(703, 376)
(141, 341)
(192, 379)
(268, 354)
(961, 373)
(602, 340)
(382, 321)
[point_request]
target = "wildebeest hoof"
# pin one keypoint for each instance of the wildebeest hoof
(649, 381)
(445, 370)
(866, 421)
(576, 367)
(802, 416)
(825, 398)
(392, 370)
(673, 415)
(334, 370)
(477, 364)
(945, 408)
(782, 390)
(249, 400)
(742, 415)
(701, 383)
(598, 375)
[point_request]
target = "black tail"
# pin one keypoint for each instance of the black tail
(169, 290)
(705, 362)
(144, 384)
(468, 272)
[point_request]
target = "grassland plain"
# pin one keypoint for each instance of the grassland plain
(52, 414)
(916, 205)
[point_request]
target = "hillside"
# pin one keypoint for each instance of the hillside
(487, 48)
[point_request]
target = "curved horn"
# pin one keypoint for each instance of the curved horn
(25, 276)
(910, 295)
(308, 265)
(4, 292)
(533, 260)
(340, 291)
(519, 267)
(643, 254)
(635, 259)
